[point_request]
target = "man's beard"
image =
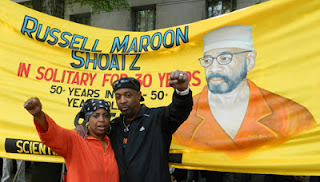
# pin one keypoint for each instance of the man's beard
(128, 112)
(231, 82)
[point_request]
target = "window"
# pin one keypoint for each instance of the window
(81, 18)
(144, 18)
(219, 7)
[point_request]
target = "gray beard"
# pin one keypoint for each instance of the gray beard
(232, 82)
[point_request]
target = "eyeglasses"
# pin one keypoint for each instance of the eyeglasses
(117, 83)
(223, 58)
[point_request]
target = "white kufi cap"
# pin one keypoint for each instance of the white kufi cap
(233, 36)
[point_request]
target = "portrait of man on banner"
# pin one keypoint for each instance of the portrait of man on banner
(231, 112)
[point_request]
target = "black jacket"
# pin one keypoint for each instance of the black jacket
(149, 140)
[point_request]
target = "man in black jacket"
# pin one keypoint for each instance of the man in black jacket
(141, 136)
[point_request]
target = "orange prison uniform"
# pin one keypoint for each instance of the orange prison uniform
(268, 117)
(85, 159)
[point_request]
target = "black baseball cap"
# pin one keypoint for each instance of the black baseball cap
(127, 82)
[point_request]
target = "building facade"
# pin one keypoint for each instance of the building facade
(145, 15)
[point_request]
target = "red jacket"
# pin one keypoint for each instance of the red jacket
(269, 117)
(86, 161)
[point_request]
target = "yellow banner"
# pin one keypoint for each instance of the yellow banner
(255, 116)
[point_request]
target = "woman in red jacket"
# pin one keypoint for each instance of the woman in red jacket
(86, 160)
